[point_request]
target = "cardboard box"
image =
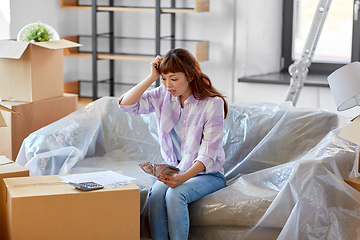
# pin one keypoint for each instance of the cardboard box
(351, 132)
(8, 169)
(354, 182)
(44, 207)
(32, 71)
(35, 115)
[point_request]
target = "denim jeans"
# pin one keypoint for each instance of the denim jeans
(168, 207)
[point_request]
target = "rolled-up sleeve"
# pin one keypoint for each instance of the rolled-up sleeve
(212, 134)
(143, 106)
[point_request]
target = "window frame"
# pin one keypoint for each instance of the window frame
(315, 67)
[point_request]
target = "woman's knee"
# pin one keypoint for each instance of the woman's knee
(175, 195)
(157, 192)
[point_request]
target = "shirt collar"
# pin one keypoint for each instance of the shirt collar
(190, 100)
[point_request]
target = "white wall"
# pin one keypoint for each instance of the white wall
(23, 12)
(5, 19)
(216, 26)
(244, 36)
(258, 31)
(227, 20)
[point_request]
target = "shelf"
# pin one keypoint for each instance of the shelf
(85, 100)
(74, 88)
(200, 6)
(201, 51)
(108, 46)
(283, 78)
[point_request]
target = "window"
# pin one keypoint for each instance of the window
(339, 40)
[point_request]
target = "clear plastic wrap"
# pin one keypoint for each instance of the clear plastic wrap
(284, 168)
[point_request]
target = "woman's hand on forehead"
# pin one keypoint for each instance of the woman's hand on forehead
(154, 65)
(157, 61)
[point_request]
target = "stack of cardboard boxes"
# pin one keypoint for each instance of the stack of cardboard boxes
(44, 207)
(31, 83)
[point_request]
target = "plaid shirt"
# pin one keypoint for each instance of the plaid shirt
(202, 127)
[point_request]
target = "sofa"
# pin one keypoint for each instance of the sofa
(285, 168)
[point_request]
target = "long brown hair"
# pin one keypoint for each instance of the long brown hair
(181, 60)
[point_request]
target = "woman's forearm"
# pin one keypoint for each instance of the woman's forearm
(134, 94)
(195, 169)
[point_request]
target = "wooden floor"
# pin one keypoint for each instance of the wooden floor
(85, 101)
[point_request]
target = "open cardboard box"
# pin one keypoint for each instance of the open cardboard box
(44, 207)
(2, 120)
(32, 71)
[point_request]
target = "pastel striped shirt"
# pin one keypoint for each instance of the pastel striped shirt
(202, 127)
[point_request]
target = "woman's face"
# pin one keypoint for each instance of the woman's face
(177, 84)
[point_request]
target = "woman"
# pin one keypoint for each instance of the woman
(190, 114)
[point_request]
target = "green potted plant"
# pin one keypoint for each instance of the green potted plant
(36, 32)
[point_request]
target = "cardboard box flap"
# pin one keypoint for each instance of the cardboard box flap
(60, 44)
(351, 131)
(5, 161)
(3, 108)
(2, 120)
(12, 49)
(8, 168)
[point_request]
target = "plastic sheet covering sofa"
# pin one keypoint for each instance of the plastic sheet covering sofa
(284, 168)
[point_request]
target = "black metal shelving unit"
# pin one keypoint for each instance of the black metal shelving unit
(111, 55)
(95, 35)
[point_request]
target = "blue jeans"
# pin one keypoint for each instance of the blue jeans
(168, 207)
